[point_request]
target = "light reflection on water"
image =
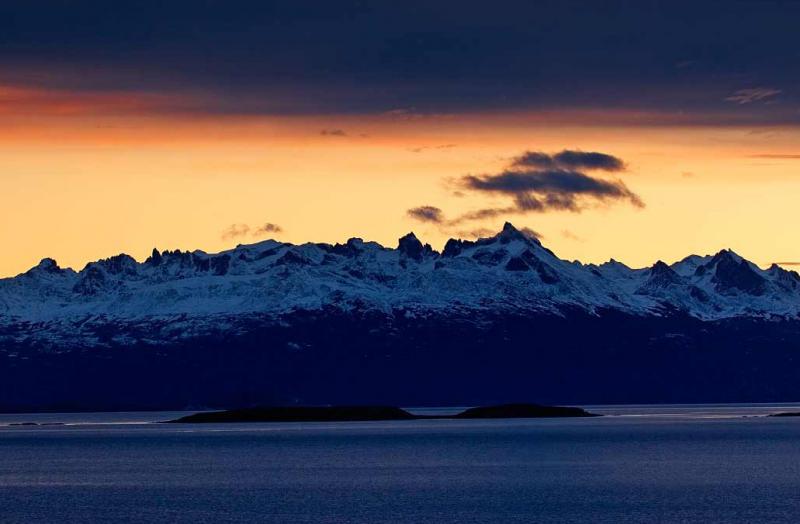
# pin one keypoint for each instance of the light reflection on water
(701, 463)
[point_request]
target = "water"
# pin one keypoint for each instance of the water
(639, 464)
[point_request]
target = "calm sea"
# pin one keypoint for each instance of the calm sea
(639, 464)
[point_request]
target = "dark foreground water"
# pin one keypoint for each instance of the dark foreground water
(641, 464)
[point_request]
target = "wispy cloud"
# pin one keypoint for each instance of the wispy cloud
(429, 148)
(778, 156)
(243, 230)
(267, 228)
(753, 94)
(333, 132)
(426, 214)
(566, 233)
(16, 100)
(531, 233)
(482, 232)
(235, 231)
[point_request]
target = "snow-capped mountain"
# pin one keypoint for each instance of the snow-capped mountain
(509, 271)
(494, 320)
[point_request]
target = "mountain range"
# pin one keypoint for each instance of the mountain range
(273, 322)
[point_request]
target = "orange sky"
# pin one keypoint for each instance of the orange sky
(85, 177)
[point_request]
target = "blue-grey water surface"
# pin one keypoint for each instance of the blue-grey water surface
(638, 464)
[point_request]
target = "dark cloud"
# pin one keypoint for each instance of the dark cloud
(551, 189)
(427, 214)
(267, 228)
(569, 159)
(566, 233)
(333, 132)
(588, 160)
(788, 263)
(535, 159)
(285, 56)
(537, 182)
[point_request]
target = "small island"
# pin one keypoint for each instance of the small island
(785, 414)
(301, 414)
(374, 413)
(523, 411)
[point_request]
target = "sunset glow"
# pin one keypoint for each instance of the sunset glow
(102, 159)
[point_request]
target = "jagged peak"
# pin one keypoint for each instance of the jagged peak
(613, 263)
(722, 258)
(726, 254)
(661, 266)
(733, 272)
(409, 239)
(154, 259)
(692, 259)
(122, 263)
(410, 246)
(454, 246)
(661, 275)
(775, 270)
(510, 233)
(409, 235)
(355, 241)
(732, 256)
(689, 264)
(509, 227)
(48, 264)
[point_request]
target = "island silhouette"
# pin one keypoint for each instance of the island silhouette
(374, 413)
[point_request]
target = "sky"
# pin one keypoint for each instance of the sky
(638, 131)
